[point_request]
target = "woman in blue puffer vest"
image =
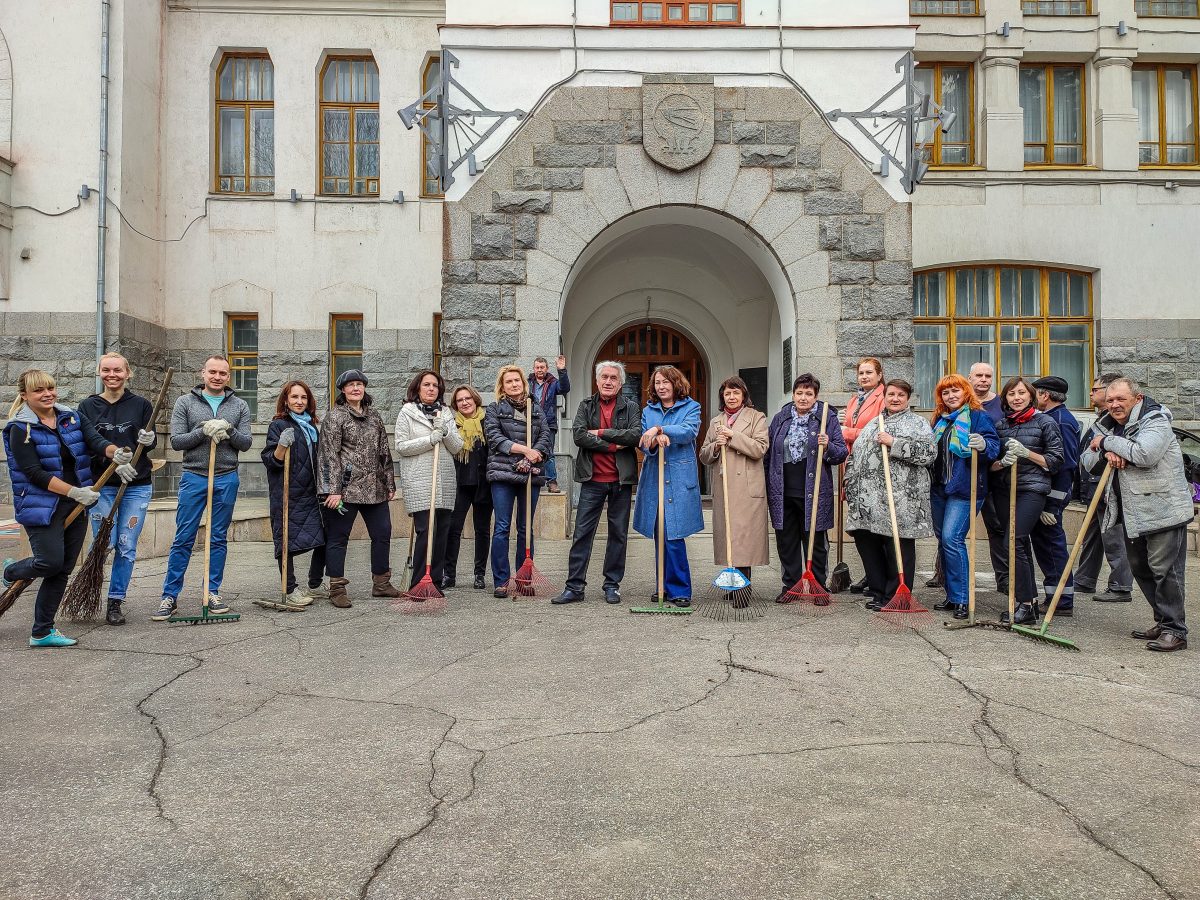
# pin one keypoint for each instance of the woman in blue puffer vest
(50, 467)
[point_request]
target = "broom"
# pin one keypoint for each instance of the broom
(660, 555)
(425, 596)
(971, 621)
(808, 590)
(730, 595)
(902, 610)
(1039, 634)
(82, 599)
(839, 578)
(527, 581)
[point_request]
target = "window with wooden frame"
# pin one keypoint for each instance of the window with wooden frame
(951, 86)
(669, 12)
(345, 346)
(1056, 7)
(241, 346)
(943, 7)
(1053, 107)
(244, 125)
(1187, 9)
(1165, 99)
(431, 184)
(349, 127)
(1021, 320)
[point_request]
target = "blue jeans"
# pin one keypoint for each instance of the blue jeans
(504, 498)
(127, 527)
(677, 577)
(951, 522)
(192, 490)
(551, 468)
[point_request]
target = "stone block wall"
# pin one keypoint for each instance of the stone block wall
(1163, 355)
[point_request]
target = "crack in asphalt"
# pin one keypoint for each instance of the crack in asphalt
(163, 745)
(257, 707)
(453, 662)
(984, 726)
(850, 746)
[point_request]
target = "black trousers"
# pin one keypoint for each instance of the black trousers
(441, 531)
(996, 527)
(878, 554)
(55, 551)
(791, 542)
(479, 502)
(592, 497)
(1159, 561)
(378, 518)
(316, 567)
(1029, 506)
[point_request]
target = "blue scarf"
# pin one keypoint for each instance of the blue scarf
(797, 436)
(960, 424)
(304, 420)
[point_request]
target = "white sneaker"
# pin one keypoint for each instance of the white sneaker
(297, 598)
(320, 592)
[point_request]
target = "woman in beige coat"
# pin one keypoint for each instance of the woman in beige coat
(742, 431)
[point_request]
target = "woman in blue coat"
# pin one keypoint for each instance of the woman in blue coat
(670, 425)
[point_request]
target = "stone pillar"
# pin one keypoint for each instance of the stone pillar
(1116, 132)
(1003, 132)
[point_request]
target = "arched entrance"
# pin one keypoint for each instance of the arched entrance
(645, 346)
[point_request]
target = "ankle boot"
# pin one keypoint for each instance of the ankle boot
(337, 593)
(382, 585)
(1026, 614)
(114, 616)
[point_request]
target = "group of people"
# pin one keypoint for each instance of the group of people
(459, 457)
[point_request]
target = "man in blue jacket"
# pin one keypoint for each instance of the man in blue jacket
(1049, 539)
(545, 389)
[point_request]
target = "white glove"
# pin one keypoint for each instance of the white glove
(976, 442)
(83, 496)
(1048, 518)
(145, 438)
(1006, 460)
(287, 437)
(122, 456)
(1016, 448)
(216, 428)
(127, 472)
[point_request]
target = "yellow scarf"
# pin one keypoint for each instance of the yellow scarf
(471, 430)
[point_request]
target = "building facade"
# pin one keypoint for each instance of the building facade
(673, 192)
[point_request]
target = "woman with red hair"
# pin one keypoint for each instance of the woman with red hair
(960, 427)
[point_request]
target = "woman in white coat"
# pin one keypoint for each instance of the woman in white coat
(424, 423)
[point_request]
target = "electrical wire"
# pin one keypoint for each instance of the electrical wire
(52, 215)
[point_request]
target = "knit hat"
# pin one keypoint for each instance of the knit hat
(351, 375)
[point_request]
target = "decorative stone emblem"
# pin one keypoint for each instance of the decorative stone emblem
(677, 119)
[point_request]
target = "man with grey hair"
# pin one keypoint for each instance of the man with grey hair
(1099, 544)
(1150, 494)
(608, 425)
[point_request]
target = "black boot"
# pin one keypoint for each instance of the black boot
(114, 617)
(1026, 614)
(859, 587)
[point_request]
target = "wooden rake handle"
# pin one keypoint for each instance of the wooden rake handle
(1012, 542)
(725, 504)
(887, 481)
(660, 525)
(816, 497)
(1075, 548)
(283, 546)
(971, 536)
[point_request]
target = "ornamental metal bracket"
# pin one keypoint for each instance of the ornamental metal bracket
(451, 128)
(898, 139)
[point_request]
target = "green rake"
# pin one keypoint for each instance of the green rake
(972, 622)
(660, 527)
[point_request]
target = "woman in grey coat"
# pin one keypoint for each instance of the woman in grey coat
(908, 440)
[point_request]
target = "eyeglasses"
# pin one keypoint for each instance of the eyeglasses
(1098, 388)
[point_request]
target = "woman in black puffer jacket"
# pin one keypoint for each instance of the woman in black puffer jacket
(1033, 440)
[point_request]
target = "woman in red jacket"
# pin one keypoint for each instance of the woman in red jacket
(863, 407)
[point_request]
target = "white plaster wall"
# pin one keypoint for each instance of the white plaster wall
(756, 12)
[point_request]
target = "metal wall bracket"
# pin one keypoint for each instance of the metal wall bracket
(897, 138)
(451, 128)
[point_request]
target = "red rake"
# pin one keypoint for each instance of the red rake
(808, 592)
(902, 611)
(425, 596)
(527, 581)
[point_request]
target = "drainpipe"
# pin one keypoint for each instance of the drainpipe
(102, 212)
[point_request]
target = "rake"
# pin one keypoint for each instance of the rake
(903, 610)
(282, 604)
(661, 553)
(839, 578)
(971, 621)
(82, 599)
(1039, 634)
(205, 617)
(808, 591)
(425, 596)
(730, 595)
(527, 581)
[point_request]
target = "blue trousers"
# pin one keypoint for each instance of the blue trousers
(677, 577)
(192, 490)
(1050, 551)
(504, 498)
(127, 527)
(951, 522)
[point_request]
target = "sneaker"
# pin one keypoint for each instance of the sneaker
(114, 616)
(319, 592)
(217, 606)
(299, 598)
(1111, 596)
(54, 639)
(166, 609)
(5, 584)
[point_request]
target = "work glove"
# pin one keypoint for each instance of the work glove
(83, 496)
(122, 456)
(1007, 460)
(287, 437)
(1048, 518)
(127, 472)
(1016, 448)
(216, 428)
(976, 442)
(145, 438)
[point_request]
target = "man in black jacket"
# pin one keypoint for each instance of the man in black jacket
(607, 427)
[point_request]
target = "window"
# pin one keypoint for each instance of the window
(345, 346)
(1185, 8)
(943, 7)
(664, 12)
(951, 87)
(1165, 98)
(245, 126)
(431, 183)
(1021, 320)
(1056, 7)
(241, 346)
(1052, 102)
(350, 127)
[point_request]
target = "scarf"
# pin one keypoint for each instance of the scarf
(1020, 418)
(517, 404)
(731, 417)
(430, 409)
(797, 436)
(471, 430)
(304, 420)
(959, 423)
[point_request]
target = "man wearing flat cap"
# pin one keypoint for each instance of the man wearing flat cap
(1049, 539)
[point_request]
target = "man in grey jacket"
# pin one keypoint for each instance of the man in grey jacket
(209, 419)
(1150, 495)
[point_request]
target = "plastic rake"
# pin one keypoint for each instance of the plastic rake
(903, 610)
(425, 596)
(808, 592)
(971, 621)
(730, 595)
(527, 582)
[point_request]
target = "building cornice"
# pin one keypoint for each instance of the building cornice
(421, 8)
